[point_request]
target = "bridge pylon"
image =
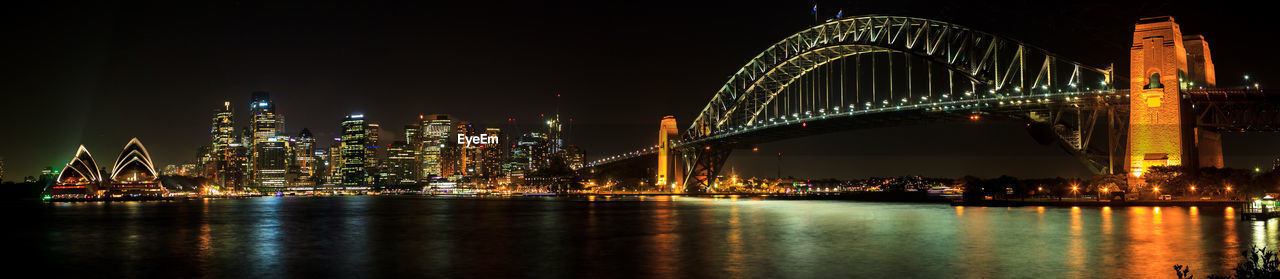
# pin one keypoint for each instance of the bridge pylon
(1162, 124)
(669, 173)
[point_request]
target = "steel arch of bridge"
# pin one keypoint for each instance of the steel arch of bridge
(990, 64)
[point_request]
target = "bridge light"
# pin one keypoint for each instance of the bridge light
(1017, 89)
(944, 96)
(1045, 87)
(1246, 77)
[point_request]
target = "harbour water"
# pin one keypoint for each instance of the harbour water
(654, 237)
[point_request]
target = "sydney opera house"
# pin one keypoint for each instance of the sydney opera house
(132, 176)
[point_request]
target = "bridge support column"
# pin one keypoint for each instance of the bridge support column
(1158, 135)
(1209, 148)
(669, 170)
(703, 164)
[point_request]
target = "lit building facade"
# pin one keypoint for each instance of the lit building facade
(435, 130)
(400, 167)
(371, 162)
(265, 126)
(272, 163)
(354, 151)
(304, 150)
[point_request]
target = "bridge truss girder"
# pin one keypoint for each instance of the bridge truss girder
(985, 62)
(701, 165)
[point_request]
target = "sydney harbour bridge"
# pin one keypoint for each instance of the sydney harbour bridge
(876, 71)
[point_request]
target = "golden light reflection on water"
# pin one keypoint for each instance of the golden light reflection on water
(1076, 253)
(664, 241)
(1106, 220)
(959, 210)
(734, 265)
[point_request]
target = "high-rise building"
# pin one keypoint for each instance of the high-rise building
(490, 156)
(272, 162)
(537, 147)
(222, 164)
(371, 162)
(435, 129)
(413, 141)
(1, 169)
(335, 163)
(322, 165)
(266, 127)
(304, 149)
(457, 158)
(400, 168)
(354, 150)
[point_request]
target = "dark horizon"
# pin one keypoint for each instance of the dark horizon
(100, 74)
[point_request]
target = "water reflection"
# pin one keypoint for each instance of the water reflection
(656, 237)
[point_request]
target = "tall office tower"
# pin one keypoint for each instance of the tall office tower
(400, 168)
(490, 156)
(204, 162)
(371, 162)
(321, 169)
(335, 162)
(413, 139)
(413, 135)
(1, 169)
(354, 133)
(460, 155)
(435, 129)
(537, 148)
(222, 134)
(265, 125)
(574, 156)
(304, 149)
(272, 162)
(517, 165)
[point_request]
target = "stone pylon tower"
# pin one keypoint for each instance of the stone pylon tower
(1161, 124)
(668, 167)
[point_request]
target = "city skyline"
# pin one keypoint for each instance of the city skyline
(316, 93)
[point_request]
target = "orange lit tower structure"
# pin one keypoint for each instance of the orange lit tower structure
(1162, 128)
(668, 168)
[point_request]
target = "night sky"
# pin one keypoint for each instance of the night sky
(100, 73)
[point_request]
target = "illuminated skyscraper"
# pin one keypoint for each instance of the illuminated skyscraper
(354, 150)
(371, 146)
(400, 167)
(304, 149)
(335, 163)
(435, 129)
(222, 137)
(457, 157)
(266, 127)
(272, 162)
(1, 169)
(489, 157)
